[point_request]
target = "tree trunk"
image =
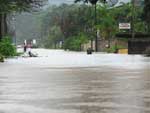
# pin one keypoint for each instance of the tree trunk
(92, 44)
(3, 25)
(0, 26)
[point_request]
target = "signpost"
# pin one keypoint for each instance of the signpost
(124, 26)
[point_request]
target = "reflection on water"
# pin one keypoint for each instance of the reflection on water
(108, 88)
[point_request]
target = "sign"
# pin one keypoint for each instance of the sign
(25, 42)
(34, 41)
(124, 26)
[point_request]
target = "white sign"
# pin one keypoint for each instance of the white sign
(124, 26)
(25, 42)
(34, 41)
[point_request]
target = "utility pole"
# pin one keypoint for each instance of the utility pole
(133, 19)
(96, 38)
(94, 3)
(14, 28)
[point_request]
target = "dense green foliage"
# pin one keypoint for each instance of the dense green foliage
(107, 23)
(75, 42)
(6, 48)
(114, 49)
(7, 6)
(147, 14)
(10, 6)
(72, 20)
(1, 58)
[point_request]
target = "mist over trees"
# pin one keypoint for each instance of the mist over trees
(76, 25)
(27, 27)
(71, 25)
(7, 7)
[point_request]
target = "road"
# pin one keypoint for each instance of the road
(73, 82)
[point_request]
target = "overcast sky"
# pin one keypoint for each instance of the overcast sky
(60, 1)
(71, 1)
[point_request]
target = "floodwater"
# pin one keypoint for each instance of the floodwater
(73, 82)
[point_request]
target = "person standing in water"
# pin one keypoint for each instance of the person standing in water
(29, 50)
(25, 47)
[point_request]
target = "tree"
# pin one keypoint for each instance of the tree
(72, 20)
(9, 6)
(107, 24)
(55, 36)
(147, 14)
(75, 42)
(90, 1)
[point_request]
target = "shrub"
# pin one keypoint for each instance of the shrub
(74, 43)
(1, 58)
(114, 49)
(6, 48)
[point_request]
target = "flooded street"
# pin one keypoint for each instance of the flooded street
(73, 82)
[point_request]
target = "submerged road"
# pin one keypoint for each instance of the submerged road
(71, 82)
